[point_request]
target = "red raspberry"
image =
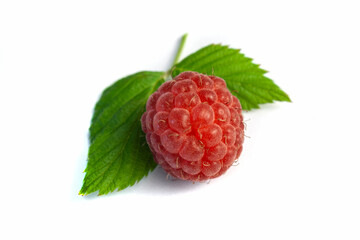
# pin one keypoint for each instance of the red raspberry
(194, 126)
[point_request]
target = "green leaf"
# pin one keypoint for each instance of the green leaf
(245, 79)
(118, 156)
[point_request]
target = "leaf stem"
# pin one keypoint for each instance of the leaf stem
(181, 46)
(167, 74)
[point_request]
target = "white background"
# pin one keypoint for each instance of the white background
(299, 174)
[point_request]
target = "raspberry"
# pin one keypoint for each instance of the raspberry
(194, 126)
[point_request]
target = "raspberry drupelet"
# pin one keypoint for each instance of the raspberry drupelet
(194, 126)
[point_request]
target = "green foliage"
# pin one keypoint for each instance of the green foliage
(118, 156)
(245, 79)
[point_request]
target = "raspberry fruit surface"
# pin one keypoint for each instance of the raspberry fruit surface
(194, 126)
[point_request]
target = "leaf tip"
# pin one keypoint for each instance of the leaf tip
(284, 97)
(287, 99)
(81, 193)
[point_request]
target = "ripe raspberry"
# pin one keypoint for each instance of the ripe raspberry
(194, 126)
